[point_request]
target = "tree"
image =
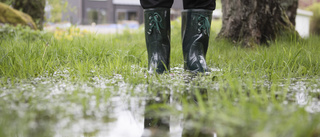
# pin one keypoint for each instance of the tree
(290, 6)
(254, 22)
(35, 8)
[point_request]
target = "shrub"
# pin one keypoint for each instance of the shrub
(22, 32)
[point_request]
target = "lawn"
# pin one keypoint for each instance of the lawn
(73, 83)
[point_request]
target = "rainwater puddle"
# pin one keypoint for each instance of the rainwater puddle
(107, 107)
(307, 94)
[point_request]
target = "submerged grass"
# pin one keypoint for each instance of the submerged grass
(268, 91)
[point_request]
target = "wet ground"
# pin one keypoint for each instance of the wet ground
(109, 107)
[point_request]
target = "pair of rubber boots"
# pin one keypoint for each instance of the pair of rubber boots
(195, 31)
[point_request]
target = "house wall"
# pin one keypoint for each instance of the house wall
(110, 8)
(106, 11)
(306, 3)
(303, 21)
(128, 8)
(103, 8)
(177, 5)
(126, 2)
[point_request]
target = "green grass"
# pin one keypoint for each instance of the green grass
(253, 95)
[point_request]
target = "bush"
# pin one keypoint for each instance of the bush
(315, 20)
(15, 17)
(22, 32)
(8, 2)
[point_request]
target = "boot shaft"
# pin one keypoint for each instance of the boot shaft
(199, 19)
(157, 34)
(196, 23)
(157, 20)
(195, 32)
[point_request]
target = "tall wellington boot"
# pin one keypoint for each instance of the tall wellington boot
(157, 34)
(195, 32)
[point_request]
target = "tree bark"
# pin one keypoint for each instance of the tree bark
(35, 8)
(290, 6)
(254, 22)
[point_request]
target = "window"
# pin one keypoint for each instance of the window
(123, 15)
(98, 16)
(132, 15)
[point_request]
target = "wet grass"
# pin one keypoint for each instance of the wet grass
(51, 87)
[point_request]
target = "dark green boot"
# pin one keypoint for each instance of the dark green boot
(195, 31)
(157, 33)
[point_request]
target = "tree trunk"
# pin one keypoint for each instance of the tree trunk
(291, 7)
(35, 8)
(254, 22)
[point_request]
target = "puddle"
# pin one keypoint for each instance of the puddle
(106, 107)
(302, 90)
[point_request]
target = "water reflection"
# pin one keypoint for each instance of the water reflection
(157, 113)
(111, 107)
(197, 95)
(157, 124)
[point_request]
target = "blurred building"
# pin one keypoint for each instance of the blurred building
(303, 17)
(102, 11)
(302, 22)
(108, 11)
(306, 3)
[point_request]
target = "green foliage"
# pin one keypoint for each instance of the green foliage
(20, 32)
(315, 19)
(57, 9)
(8, 2)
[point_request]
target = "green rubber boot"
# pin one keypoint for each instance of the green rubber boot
(157, 34)
(195, 32)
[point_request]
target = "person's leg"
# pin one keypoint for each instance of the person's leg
(195, 30)
(199, 4)
(147, 4)
(157, 34)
